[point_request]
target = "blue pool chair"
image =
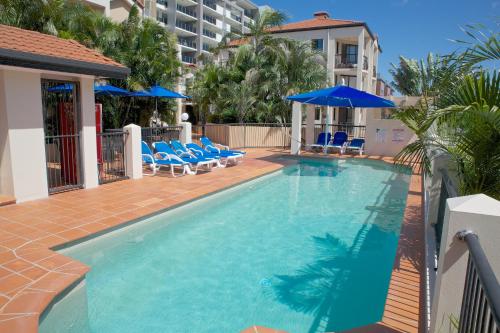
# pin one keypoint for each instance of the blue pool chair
(199, 151)
(224, 152)
(182, 150)
(322, 141)
(166, 160)
(162, 147)
(339, 141)
(356, 144)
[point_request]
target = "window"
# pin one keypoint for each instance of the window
(317, 113)
(350, 53)
(317, 44)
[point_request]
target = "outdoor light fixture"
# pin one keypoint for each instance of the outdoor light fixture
(184, 116)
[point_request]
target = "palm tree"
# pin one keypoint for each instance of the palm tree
(462, 118)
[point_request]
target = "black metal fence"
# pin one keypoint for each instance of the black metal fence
(63, 164)
(111, 156)
(481, 299)
(155, 134)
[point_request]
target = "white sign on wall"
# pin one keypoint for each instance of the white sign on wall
(398, 134)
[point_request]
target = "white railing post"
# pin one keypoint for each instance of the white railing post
(186, 132)
(480, 214)
(296, 128)
(133, 154)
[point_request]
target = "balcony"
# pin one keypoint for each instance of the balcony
(210, 4)
(162, 2)
(206, 47)
(162, 18)
(186, 11)
(185, 26)
(365, 63)
(346, 60)
(187, 43)
(236, 17)
(210, 19)
(188, 59)
(209, 33)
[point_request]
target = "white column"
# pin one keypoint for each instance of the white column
(310, 122)
(481, 215)
(133, 152)
(331, 53)
(359, 73)
(186, 136)
(296, 128)
(88, 144)
(23, 171)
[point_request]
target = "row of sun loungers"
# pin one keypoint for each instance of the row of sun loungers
(188, 158)
(339, 142)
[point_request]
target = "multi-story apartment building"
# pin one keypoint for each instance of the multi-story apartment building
(200, 25)
(351, 51)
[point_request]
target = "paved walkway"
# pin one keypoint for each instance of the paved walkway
(31, 274)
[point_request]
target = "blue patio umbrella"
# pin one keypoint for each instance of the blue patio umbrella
(66, 87)
(106, 89)
(342, 96)
(110, 90)
(157, 92)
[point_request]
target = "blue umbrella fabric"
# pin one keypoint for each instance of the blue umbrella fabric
(67, 87)
(342, 96)
(106, 89)
(141, 93)
(110, 90)
(159, 91)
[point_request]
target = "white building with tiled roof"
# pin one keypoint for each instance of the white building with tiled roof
(351, 50)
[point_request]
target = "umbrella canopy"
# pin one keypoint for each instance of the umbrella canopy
(67, 87)
(159, 91)
(142, 93)
(342, 96)
(106, 89)
(110, 90)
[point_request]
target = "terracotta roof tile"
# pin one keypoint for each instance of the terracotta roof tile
(15, 39)
(316, 22)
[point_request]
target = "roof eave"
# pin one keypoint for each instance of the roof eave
(36, 61)
(336, 26)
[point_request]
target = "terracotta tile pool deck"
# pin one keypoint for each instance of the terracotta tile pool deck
(32, 274)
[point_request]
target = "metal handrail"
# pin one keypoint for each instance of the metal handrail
(474, 313)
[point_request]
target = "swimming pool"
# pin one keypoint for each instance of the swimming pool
(307, 249)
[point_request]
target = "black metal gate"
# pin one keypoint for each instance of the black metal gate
(111, 156)
(61, 113)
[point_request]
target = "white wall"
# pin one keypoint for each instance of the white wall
(480, 214)
(385, 137)
(24, 145)
(88, 134)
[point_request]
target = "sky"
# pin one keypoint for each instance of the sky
(411, 28)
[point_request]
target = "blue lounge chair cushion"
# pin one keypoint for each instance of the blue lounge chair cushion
(339, 139)
(321, 141)
(356, 143)
(149, 158)
(163, 147)
(210, 147)
(201, 152)
(179, 148)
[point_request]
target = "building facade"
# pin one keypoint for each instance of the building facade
(352, 53)
(200, 25)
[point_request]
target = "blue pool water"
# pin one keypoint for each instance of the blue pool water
(307, 249)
